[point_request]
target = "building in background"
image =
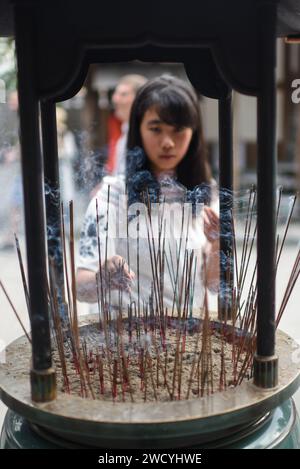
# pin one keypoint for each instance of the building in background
(90, 116)
(97, 111)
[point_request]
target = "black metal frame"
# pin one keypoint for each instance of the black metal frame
(223, 45)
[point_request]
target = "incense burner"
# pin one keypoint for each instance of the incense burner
(223, 46)
(223, 419)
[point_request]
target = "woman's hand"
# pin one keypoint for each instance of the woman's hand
(116, 274)
(211, 225)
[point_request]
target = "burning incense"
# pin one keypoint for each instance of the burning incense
(21, 265)
(139, 351)
(15, 311)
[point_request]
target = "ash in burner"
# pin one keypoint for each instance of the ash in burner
(161, 359)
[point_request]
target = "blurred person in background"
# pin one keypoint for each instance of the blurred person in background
(122, 100)
(118, 124)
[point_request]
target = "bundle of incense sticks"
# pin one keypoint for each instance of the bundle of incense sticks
(148, 342)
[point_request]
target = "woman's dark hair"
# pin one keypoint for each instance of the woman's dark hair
(177, 104)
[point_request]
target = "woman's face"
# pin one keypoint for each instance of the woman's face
(165, 145)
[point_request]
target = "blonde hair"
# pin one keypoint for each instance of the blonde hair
(134, 80)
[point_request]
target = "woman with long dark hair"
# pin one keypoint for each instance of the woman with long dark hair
(166, 166)
(176, 105)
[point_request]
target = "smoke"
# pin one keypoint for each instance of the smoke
(52, 194)
(90, 170)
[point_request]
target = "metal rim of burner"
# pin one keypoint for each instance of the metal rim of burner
(101, 423)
